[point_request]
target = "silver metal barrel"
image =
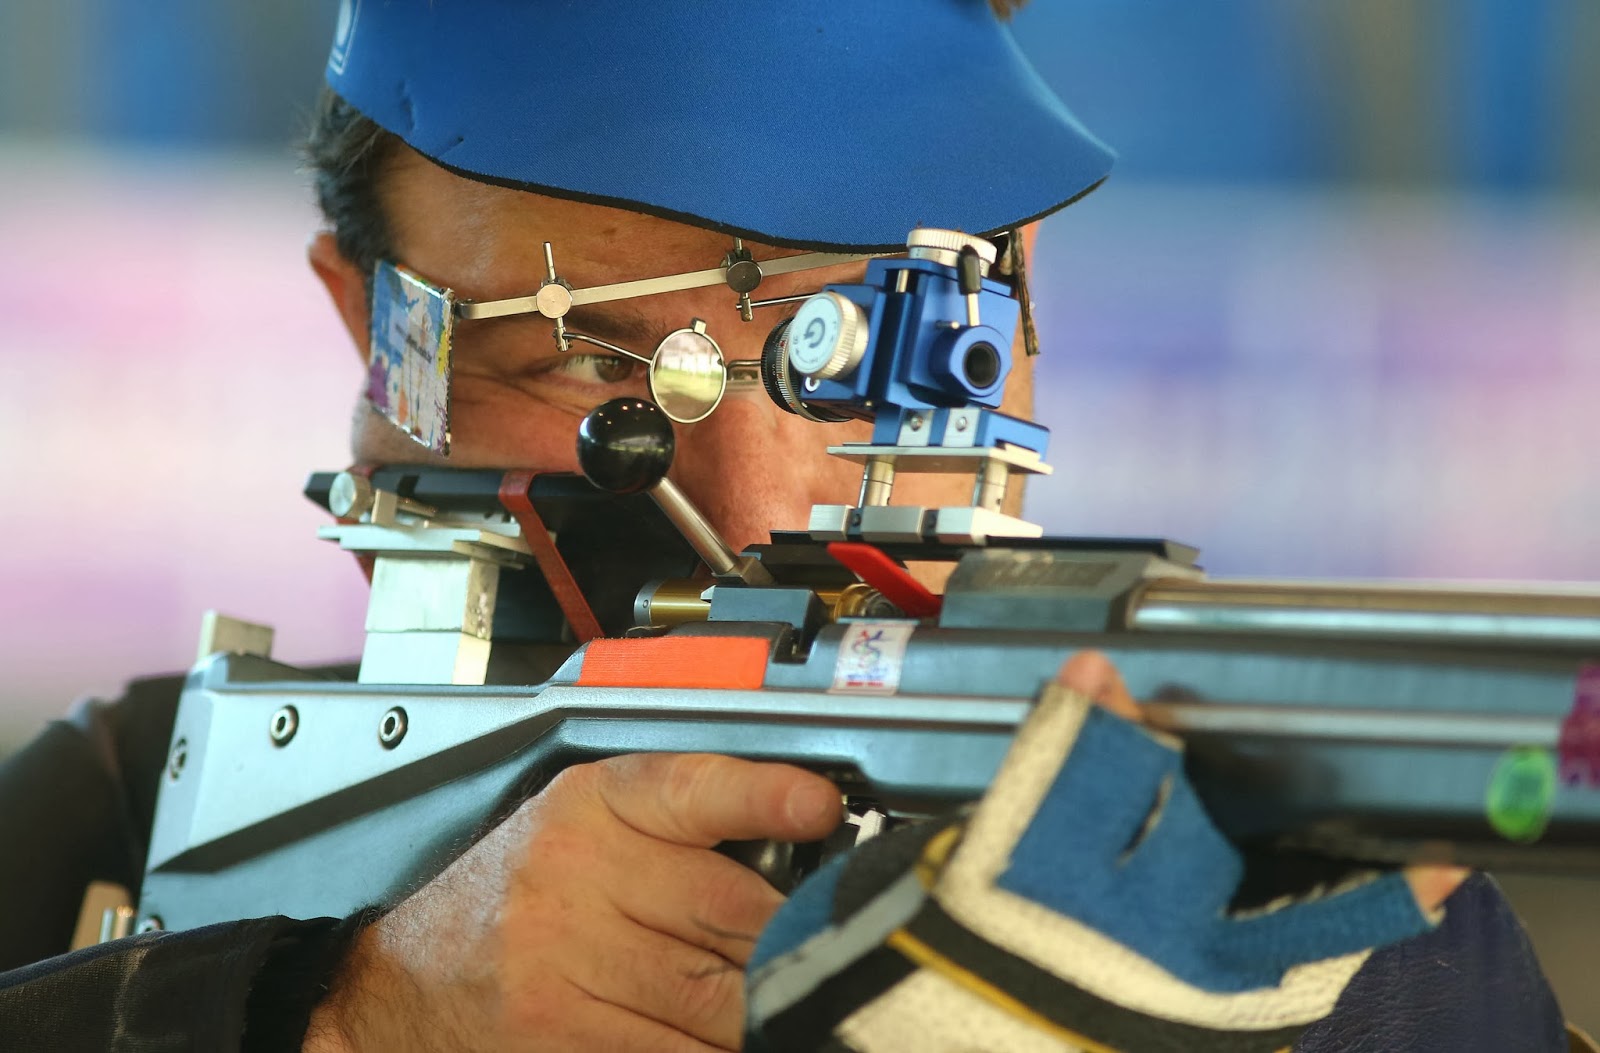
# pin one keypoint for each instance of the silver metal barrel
(1495, 616)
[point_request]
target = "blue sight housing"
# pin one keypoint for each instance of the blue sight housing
(922, 348)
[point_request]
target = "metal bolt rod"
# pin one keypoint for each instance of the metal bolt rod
(115, 923)
(774, 301)
(990, 489)
(877, 482)
(695, 528)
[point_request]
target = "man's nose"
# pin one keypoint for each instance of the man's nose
(753, 468)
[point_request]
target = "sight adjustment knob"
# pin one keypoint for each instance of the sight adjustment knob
(944, 246)
(625, 445)
(827, 336)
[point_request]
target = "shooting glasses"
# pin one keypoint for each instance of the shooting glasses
(687, 373)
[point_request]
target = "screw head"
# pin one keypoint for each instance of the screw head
(285, 722)
(350, 496)
(553, 299)
(392, 728)
(149, 923)
(915, 423)
(743, 276)
(961, 423)
(178, 758)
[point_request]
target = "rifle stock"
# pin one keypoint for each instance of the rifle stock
(1360, 745)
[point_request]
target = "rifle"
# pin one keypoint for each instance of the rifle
(506, 640)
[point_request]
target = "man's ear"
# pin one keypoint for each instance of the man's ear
(1030, 238)
(1018, 397)
(346, 285)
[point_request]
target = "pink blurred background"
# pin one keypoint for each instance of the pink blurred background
(1366, 384)
(169, 373)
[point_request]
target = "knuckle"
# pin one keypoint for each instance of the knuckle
(575, 782)
(1089, 665)
(709, 993)
(737, 900)
(686, 783)
(540, 1009)
(559, 844)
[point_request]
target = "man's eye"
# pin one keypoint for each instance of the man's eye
(597, 369)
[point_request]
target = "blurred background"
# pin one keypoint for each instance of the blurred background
(1337, 312)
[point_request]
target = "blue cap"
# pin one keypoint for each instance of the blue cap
(836, 124)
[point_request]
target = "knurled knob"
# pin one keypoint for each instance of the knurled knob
(944, 246)
(827, 336)
(350, 495)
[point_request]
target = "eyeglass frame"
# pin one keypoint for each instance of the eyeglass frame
(739, 271)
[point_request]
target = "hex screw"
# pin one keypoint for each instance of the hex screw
(285, 722)
(178, 758)
(392, 728)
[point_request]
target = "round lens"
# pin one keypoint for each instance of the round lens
(687, 376)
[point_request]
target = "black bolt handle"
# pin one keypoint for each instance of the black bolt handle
(625, 445)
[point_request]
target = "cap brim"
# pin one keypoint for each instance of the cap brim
(838, 125)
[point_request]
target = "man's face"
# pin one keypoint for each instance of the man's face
(516, 400)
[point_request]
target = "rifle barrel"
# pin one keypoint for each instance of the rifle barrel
(1477, 614)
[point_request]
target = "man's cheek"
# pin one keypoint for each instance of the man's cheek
(506, 429)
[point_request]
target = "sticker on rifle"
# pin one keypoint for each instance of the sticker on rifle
(1580, 732)
(408, 373)
(1522, 789)
(871, 655)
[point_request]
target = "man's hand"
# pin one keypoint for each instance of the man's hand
(595, 918)
(1091, 673)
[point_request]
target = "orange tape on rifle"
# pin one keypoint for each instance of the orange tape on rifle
(717, 662)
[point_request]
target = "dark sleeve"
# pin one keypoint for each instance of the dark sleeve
(240, 986)
(77, 805)
(1473, 984)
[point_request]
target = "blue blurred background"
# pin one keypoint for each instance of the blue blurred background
(1337, 312)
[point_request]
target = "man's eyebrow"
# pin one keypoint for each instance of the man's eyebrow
(626, 326)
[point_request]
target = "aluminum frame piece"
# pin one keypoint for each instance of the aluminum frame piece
(1286, 738)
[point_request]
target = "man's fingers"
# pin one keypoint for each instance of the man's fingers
(1092, 673)
(701, 799)
(1433, 884)
(701, 898)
